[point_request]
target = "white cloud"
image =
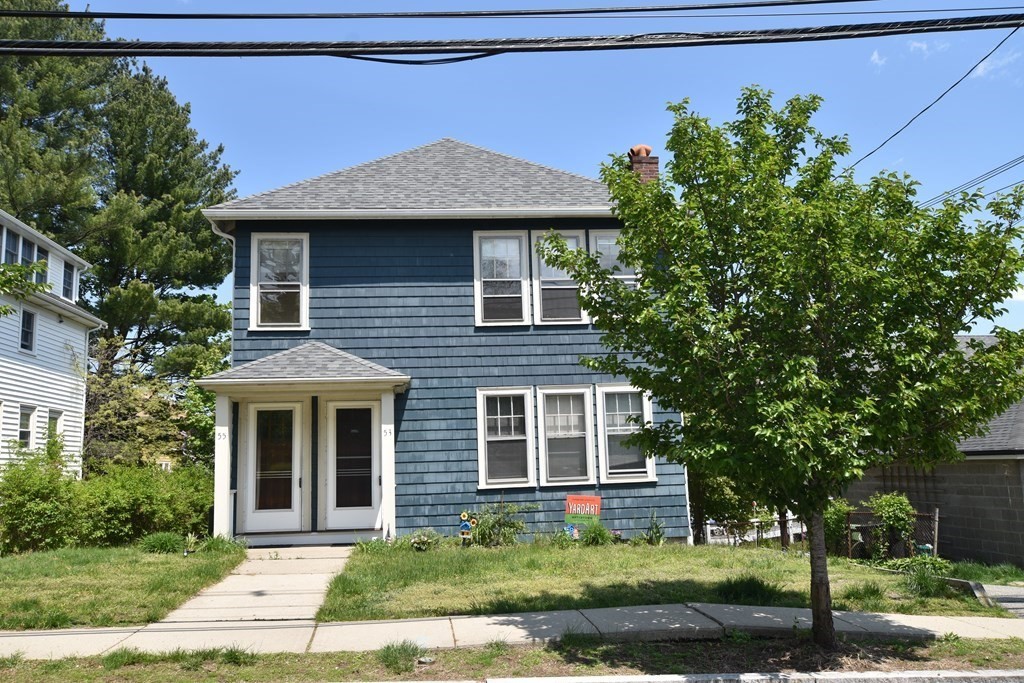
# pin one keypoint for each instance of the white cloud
(877, 59)
(919, 46)
(1018, 295)
(994, 67)
(927, 48)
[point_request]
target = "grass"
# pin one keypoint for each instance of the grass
(400, 657)
(585, 657)
(103, 586)
(401, 584)
(1003, 574)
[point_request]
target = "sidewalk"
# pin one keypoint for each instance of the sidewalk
(694, 621)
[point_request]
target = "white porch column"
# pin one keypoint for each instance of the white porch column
(387, 465)
(222, 469)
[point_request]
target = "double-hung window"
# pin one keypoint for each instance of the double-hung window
(621, 411)
(505, 437)
(555, 294)
(42, 255)
(280, 281)
(26, 426)
(68, 283)
(605, 245)
(566, 451)
(502, 277)
(28, 252)
(12, 247)
(28, 330)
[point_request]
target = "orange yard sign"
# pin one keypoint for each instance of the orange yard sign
(582, 509)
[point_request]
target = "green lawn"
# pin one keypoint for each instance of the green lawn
(103, 586)
(399, 583)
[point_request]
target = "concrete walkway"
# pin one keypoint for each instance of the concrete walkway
(1010, 598)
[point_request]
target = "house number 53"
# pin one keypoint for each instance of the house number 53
(387, 431)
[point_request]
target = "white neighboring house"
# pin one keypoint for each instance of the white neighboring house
(43, 347)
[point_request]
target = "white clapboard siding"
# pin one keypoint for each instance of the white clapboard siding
(50, 378)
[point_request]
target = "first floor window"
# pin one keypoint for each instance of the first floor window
(280, 266)
(28, 330)
(26, 425)
(622, 412)
(502, 277)
(566, 452)
(505, 437)
(55, 424)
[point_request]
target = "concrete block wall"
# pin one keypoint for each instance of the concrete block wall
(981, 504)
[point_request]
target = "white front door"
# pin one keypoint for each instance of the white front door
(273, 483)
(353, 465)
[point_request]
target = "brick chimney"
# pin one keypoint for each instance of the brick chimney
(641, 161)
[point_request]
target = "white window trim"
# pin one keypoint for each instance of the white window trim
(588, 408)
(32, 412)
(481, 437)
(74, 281)
(602, 442)
(535, 237)
(594, 234)
(254, 274)
(59, 427)
(524, 260)
(35, 330)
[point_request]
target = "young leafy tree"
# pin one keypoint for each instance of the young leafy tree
(18, 282)
(805, 324)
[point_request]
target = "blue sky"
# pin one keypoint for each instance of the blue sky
(286, 119)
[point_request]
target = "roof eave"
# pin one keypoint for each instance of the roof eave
(217, 215)
(398, 383)
(60, 306)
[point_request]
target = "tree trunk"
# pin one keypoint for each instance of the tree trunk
(822, 627)
(784, 528)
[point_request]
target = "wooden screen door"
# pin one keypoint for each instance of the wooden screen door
(353, 468)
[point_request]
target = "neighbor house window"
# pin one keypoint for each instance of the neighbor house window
(42, 255)
(28, 252)
(68, 284)
(55, 424)
(566, 451)
(28, 330)
(502, 277)
(621, 411)
(12, 247)
(280, 281)
(555, 294)
(505, 437)
(604, 244)
(26, 425)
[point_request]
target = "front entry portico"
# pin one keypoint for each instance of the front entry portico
(305, 459)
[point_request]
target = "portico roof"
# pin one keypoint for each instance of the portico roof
(312, 363)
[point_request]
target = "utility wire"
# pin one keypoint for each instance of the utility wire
(973, 182)
(1006, 187)
(466, 14)
(936, 100)
(493, 46)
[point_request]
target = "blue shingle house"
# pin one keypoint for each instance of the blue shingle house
(400, 354)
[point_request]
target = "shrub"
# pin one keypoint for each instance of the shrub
(499, 524)
(127, 502)
(596, 534)
(907, 564)
(166, 542)
(835, 525)
(923, 582)
(38, 506)
(425, 539)
(895, 516)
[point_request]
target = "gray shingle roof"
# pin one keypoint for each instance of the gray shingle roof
(1005, 431)
(443, 175)
(310, 361)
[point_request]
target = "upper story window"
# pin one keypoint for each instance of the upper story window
(555, 293)
(605, 245)
(505, 437)
(621, 410)
(68, 283)
(42, 255)
(28, 330)
(12, 247)
(502, 277)
(279, 291)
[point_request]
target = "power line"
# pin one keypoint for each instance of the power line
(974, 182)
(466, 14)
(493, 46)
(936, 100)
(1006, 187)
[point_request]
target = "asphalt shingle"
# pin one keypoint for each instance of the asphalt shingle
(443, 175)
(312, 360)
